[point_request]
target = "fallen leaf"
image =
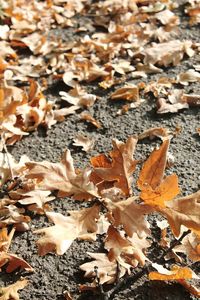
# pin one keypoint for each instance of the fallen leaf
(190, 245)
(167, 190)
(87, 143)
(63, 177)
(164, 54)
(87, 117)
(13, 262)
(130, 215)
(130, 250)
(121, 167)
(183, 211)
(129, 92)
(176, 273)
(58, 238)
(107, 270)
(153, 169)
(11, 291)
(35, 199)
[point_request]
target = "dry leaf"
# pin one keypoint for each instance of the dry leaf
(63, 177)
(190, 245)
(153, 169)
(13, 262)
(130, 215)
(129, 92)
(87, 117)
(121, 167)
(176, 273)
(130, 250)
(36, 199)
(11, 291)
(183, 211)
(189, 76)
(58, 238)
(167, 190)
(87, 143)
(168, 53)
(107, 270)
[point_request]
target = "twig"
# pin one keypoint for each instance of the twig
(134, 277)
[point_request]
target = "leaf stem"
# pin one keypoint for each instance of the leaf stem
(135, 276)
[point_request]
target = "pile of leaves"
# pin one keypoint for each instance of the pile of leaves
(114, 211)
(134, 40)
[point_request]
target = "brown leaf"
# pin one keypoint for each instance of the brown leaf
(63, 177)
(153, 169)
(129, 92)
(121, 167)
(190, 245)
(131, 215)
(12, 215)
(87, 117)
(121, 248)
(164, 54)
(13, 262)
(58, 238)
(87, 143)
(107, 270)
(183, 211)
(35, 199)
(11, 292)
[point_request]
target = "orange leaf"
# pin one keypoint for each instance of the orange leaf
(176, 273)
(166, 191)
(153, 169)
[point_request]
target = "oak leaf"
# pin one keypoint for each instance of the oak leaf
(120, 168)
(11, 292)
(130, 250)
(108, 271)
(166, 191)
(36, 200)
(129, 92)
(176, 273)
(190, 245)
(63, 177)
(153, 169)
(130, 215)
(13, 262)
(183, 211)
(58, 238)
(87, 143)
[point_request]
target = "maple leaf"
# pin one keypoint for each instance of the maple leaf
(107, 270)
(63, 177)
(120, 168)
(121, 248)
(190, 245)
(131, 215)
(183, 211)
(11, 291)
(80, 224)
